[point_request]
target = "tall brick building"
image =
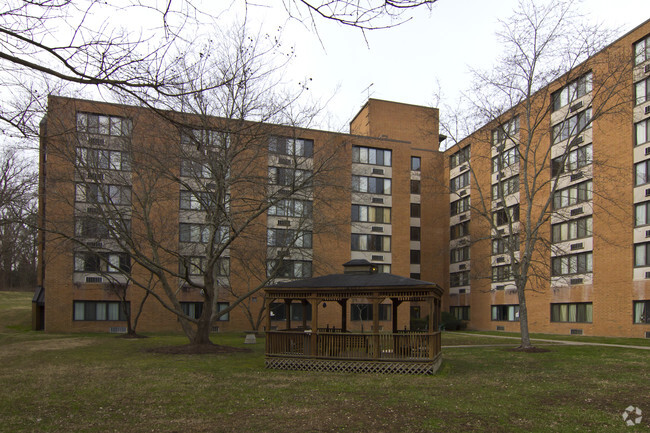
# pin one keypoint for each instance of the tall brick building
(388, 196)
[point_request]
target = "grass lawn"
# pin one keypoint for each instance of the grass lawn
(99, 383)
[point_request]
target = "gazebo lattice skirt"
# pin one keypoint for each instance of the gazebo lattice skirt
(334, 365)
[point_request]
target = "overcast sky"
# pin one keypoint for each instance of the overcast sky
(411, 62)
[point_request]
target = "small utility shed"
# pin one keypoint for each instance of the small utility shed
(311, 346)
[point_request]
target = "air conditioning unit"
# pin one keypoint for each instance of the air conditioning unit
(577, 211)
(462, 193)
(284, 223)
(576, 281)
(95, 244)
(501, 259)
(377, 171)
(500, 287)
(284, 161)
(501, 328)
(647, 192)
(462, 291)
(377, 229)
(94, 280)
(577, 246)
(463, 217)
(576, 332)
(576, 107)
(464, 167)
(647, 68)
(576, 176)
(94, 141)
(461, 267)
(93, 209)
(646, 110)
(647, 149)
(647, 233)
(647, 275)
(578, 140)
(377, 200)
(378, 258)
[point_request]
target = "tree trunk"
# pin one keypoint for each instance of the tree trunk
(523, 319)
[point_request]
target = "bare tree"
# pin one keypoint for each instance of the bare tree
(17, 228)
(538, 106)
(204, 164)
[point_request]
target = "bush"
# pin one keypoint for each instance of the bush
(451, 323)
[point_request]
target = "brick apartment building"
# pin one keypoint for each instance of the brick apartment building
(388, 196)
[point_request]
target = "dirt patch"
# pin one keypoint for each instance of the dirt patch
(527, 349)
(197, 349)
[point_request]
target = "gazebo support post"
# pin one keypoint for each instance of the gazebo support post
(396, 302)
(375, 326)
(433, 314)
(344, 314)
(304, 303)
(313, 343)
(287, 312)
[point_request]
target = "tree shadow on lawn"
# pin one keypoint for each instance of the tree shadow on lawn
(197, 349)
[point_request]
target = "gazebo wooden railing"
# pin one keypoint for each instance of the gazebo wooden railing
(402, 346)
(337, 349)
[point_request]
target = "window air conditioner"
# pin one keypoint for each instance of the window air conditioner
(647, 68)
(94, 280)
(647, 109)
(576, 107)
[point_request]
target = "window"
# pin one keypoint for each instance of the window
(415, 257)
(288, 268)
(370, 214)
(366, 242)
(459, 206)
(642, 91)
(505, 313)
(195, 309)
(290, 177)
(102, 262)
(415, 187)
(459, 230)
(572, 264)
(506, 159)
(416, 163)
(459, 157)
(289, 238)
(103, 159)
(642, 214)
(642, 132)
(574, 229)
(195, 169)
(415, 210)
(458, 279)
(573, 312)
(89, 227)
(291, 208)
(369, 155)
(200, 233)
(291, 146)
(574, 90)
(195, 266)
(505, 187)
(505, 244)
(102, 124)
(382, 268)
(642, 254)
(415, 233)
(506, 215)
(572, 126)
(501, 273)
(460, 313)
(642, 51)
(641, 171)
(205, 137)
(459, 254)
(506, 131)
(641, 311)
(279, 311)
(103, 194)
(575, 194)
(364, 312)
(576, 159)
(99, 310)
(193, 200)
(372, 185)
(459, 182)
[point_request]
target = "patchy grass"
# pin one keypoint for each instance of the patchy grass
(98, 383)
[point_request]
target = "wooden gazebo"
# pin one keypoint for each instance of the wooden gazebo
(312, 346)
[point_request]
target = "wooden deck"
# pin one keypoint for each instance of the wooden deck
(404, 352)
